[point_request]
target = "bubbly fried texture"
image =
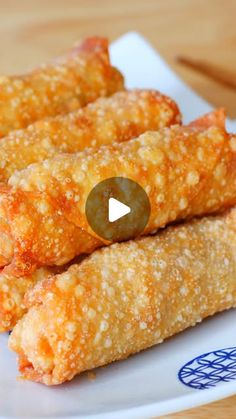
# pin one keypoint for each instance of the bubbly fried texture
(125, 298)
(185, 171)
(12, 292)
(117, 118)
(66, 84)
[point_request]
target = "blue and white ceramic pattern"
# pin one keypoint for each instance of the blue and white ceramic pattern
(210, 369)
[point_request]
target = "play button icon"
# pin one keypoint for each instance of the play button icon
(117, 209)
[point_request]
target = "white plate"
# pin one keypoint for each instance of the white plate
(154, 382)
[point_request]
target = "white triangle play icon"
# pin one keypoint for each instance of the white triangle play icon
(117, 210)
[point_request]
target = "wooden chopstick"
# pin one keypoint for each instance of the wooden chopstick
(223, 76)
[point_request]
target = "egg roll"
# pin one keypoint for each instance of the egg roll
(185, 171)
(12, 292)
(127, 297)
(120, 117)
(59, 87)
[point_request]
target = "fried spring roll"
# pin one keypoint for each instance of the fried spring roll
(12, 292)
(110, 306)
(66, 84)
(185, 171)
(118, 118)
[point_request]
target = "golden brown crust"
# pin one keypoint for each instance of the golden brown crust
(185, 171)
(216, 118)
(120, 117)
(12, 292)
(125, 298)
(58, 88)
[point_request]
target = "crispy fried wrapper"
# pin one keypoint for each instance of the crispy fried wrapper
(66, 84)
(12, 292)
(185, 171)
(120, 117)
(127, 297)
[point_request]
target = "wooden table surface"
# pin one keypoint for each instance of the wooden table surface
(32, 31)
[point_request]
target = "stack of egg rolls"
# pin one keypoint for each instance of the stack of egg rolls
(68, 126)
(185, 171)
(66, 84)
(127, 297)
(125, 113)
